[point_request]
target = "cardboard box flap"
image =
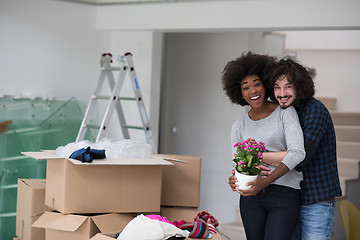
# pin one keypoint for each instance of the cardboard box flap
(124, 162)
(110, 223)
(57, 221)
(34, 183)
(104, 236)
(41, 155)
(48, 151)
(167, 158)
(50, 155)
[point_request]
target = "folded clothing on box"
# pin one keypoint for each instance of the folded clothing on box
(87, 154)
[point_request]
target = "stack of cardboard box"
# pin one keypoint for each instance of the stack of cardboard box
(30, 206)
(96, 200)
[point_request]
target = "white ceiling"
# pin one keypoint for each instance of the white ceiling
(99, 2)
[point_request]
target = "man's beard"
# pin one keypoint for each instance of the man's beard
(285, 104)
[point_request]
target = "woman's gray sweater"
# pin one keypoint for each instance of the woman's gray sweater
(280, 131)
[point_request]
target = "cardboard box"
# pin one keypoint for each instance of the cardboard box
(181, 182)
(103, 186)
(179, 213)
(30, 206)
(78, 227)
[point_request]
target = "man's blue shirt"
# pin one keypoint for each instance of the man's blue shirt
(321, 178)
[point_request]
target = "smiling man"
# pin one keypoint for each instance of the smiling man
(284, 91)
(294, 86)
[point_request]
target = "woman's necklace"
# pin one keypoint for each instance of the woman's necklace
(262, 116)
(257, 119)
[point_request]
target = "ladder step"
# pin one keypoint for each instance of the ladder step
(92, 126)
(134, 127)
(111, 68)
(101, 97)
(128, 98)
(120, 98)
(127, 126)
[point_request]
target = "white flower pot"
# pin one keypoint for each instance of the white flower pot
(242, 179)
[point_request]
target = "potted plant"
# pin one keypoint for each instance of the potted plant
(247, 158)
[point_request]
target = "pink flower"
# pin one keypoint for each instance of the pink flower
(248, 156)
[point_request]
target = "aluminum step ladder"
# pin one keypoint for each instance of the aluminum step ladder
(127, 66)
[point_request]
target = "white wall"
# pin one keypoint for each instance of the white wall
(266, 43)
(49, 48)
(196, 106)
(324, 40)
(336, 57)
(231, 15)
(337, 75)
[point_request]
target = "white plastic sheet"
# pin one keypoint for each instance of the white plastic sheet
(126, 148)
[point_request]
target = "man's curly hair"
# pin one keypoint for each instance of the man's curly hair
(248, 64)
(295, 74)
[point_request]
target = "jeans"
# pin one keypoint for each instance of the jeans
(315, 221)
(271, 214)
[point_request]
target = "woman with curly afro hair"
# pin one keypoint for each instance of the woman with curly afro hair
(271, 213)
(248, 64)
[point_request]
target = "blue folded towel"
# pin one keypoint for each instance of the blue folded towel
(88, 154)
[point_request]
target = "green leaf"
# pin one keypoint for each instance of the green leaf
(256, 171)
(249, 158)
(242, 154)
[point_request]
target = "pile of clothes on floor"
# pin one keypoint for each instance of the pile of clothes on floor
(156, 227)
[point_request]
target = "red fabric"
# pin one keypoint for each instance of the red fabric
(208, 218)
(178, 224)
(212, 229)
